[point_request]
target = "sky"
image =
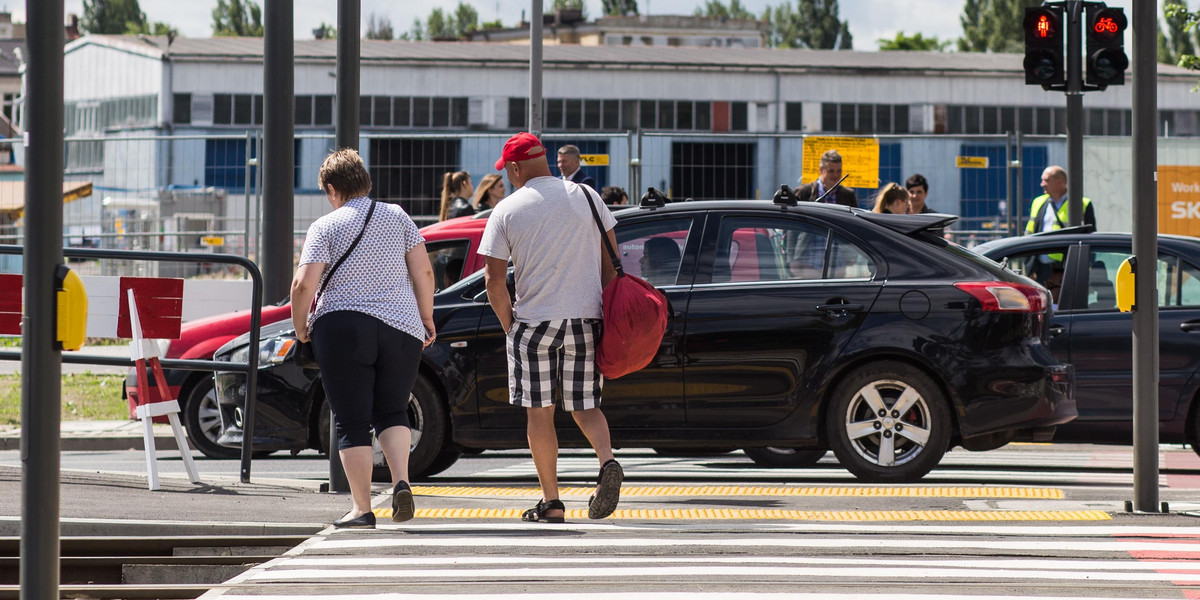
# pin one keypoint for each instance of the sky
(869, 20)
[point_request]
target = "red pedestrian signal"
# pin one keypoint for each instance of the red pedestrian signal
(1044, 46)
(1106, 59)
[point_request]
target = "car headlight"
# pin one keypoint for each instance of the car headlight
(270, 352)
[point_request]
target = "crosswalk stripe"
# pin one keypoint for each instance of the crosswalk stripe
(735, 490)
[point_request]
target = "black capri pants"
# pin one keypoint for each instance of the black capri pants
(368, 369)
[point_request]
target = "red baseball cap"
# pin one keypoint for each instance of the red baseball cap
(522, 146)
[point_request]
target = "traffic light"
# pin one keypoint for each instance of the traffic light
(1106, 60)
(1044, 46)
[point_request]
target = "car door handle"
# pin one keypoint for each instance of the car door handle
(1189, 326)
(837, 310)
(1056, 330)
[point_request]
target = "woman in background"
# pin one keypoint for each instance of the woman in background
(456, 188)
(892, 199)
(489, 193)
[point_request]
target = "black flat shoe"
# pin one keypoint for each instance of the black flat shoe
(403, 508)
(363, 521)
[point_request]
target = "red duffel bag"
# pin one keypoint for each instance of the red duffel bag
(635, 317)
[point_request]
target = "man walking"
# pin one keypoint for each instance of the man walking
(830, 170)
(546, 228)
(568, 165)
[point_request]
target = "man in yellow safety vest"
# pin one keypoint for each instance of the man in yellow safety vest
(1049, 211)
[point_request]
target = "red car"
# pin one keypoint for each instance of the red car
(452, 249)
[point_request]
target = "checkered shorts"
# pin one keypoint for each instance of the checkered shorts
(553, 358)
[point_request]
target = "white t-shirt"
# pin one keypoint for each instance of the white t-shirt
(374, 278)
(548, 231)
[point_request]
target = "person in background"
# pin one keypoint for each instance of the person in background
(830, 172)
(1050, 211)
(546, 228)
(614, 196)
(568, 166)
(892, 199)
(456, 188)
(918, 190)
(372, 319)
(489, 193)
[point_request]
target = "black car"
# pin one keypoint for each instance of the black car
(795, 329)
(1087, 329)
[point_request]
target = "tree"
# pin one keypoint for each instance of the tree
(237, 18)
(1191, 20)
(466, 19)
(994, 25)
(379, 29)
(715, 9)
(912, 42)
(438, 26)
(112, 16)
(1179, 40)
(811, 24)
(325, 31)
(621, 8)
(156, 28)
(416, 33)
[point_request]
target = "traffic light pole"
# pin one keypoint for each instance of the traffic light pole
(1073, 16)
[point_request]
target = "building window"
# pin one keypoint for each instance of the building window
(182, 110)
(304, 113)
(243, 112)
(382, 111)
(591, 115)
(323, 110)
(738, 116)
(402, 112)
(517, 113)
(364, 111)
(793, 116)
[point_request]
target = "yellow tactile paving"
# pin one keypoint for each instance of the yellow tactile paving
(1034, 493)
(579, 515)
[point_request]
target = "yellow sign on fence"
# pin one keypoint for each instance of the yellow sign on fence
(860, 159)
(1179, 200)
(594, 160)
(212, 240)
(971, 162)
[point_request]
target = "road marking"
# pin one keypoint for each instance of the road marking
(779, 514)
(613, 595)
(1038, 493)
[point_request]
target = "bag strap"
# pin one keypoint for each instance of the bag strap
(612, 254)
(353, 245)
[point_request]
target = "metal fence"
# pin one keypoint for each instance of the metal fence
(203, 193)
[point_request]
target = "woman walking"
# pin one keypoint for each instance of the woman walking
(366, 267)
(456, 188)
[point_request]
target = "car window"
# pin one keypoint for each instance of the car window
(449, 258)
(766, 249)
(1102, 273)
(1178, 282)
(654, 250)
(1044, 266)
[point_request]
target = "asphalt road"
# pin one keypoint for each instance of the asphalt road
(1030, 521)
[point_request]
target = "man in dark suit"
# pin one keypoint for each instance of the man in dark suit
(830, 173)
(568, 166)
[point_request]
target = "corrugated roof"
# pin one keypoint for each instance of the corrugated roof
(9, 65)
(570, 56)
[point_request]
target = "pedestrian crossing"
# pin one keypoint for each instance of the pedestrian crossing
(758, 561)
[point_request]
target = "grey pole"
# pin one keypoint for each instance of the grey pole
(278, 155)
(349, 48)
(535, 69)
(1074, 18)
(1145, 248)
(41, 359)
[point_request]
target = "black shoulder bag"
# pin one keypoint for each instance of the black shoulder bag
(305, 356)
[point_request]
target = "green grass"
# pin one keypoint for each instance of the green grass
(85, 396)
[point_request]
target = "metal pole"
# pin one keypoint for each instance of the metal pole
(1074, 17)
(278, 155)
(535, 69)
(1145, 248)
(41, 359)
(349, 49)
(249, 182)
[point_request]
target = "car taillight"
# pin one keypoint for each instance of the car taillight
(1003, 296)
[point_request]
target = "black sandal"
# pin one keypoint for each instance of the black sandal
(537, 514)
(608, 490)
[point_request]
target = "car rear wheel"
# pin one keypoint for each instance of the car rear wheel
(888, 422)
(784, 457)
(202, 419)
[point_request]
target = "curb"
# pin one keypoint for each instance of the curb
(98, 443)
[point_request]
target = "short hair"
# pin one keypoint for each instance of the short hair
(1057, 172)
(571, 149)
(612, 194)
(917, 179)
(344, 170)
(830, 156)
